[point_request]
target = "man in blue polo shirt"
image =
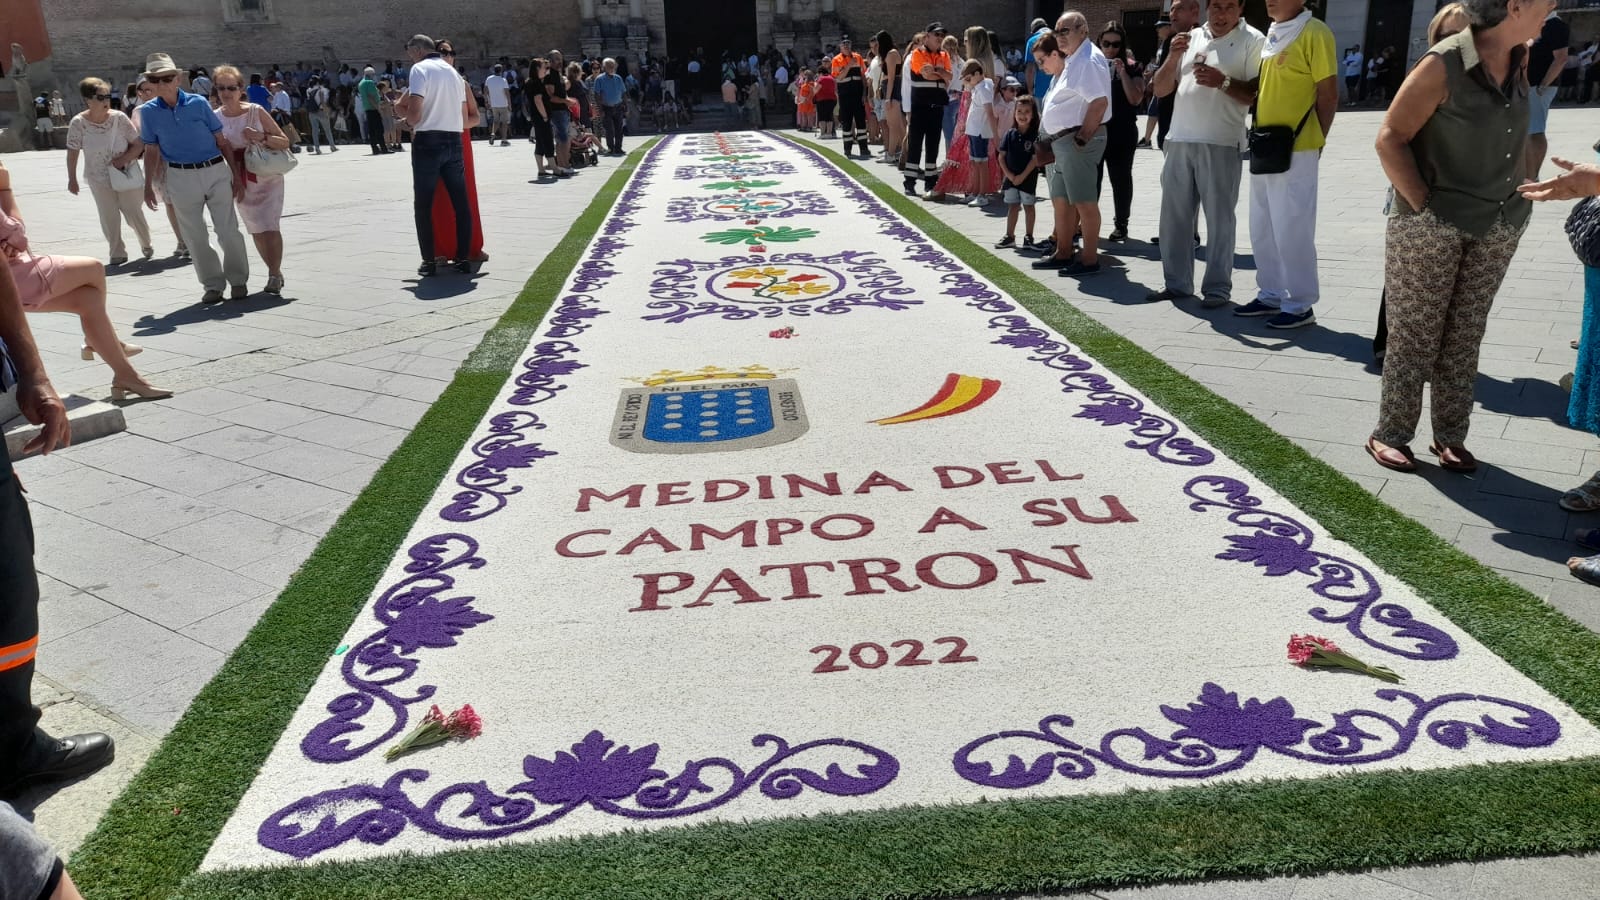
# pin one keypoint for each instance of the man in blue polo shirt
(611, 90)
(202, 173)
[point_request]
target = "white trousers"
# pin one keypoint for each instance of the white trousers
(193, 193)
(1283, 232)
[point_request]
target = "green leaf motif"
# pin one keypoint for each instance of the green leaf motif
(755, 236)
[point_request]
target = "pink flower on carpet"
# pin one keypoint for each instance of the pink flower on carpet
(785, 332)
(436, 728)
(1310, 651)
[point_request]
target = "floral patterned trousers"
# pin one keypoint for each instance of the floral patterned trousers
(1441, 282)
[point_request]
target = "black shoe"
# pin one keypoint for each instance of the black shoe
(57, 759)
(1118, 234)
(1051, 262)
(1156, 241)
(1008, 241)
(911, 188)
(464, 266)
(428, 269)
(1078, 270)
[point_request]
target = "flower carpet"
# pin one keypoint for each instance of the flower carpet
(794, 552)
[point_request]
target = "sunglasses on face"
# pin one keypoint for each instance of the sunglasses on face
(103, 98)
(1115, 45)
(228, 87)
(163, 79)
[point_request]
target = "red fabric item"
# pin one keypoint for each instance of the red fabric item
(827, 88)
(444, 216)
(960, 175)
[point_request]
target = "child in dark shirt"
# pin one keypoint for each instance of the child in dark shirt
(1020, 171)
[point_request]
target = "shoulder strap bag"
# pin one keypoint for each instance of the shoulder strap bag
(1272, 146)
(266, 163)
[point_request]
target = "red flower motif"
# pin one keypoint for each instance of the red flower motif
(744, 284)
(758, 249)
(752, 221)
(805, 278)
(464, 722)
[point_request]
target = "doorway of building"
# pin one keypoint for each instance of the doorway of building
(711, 31)
(1140, 26)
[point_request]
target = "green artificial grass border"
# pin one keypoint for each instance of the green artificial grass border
(184, 796)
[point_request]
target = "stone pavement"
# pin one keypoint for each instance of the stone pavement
(160, 547)
(1315, 386)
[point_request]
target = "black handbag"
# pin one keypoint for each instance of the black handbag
(1583, 230)
(1272, 146)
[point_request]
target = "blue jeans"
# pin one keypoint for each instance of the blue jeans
(561, 123)
(436, 156)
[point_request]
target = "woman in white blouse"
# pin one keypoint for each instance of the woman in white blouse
(107, 140)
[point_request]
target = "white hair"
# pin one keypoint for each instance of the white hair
(608, 61)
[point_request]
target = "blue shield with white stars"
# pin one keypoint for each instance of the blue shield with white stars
(710, 417)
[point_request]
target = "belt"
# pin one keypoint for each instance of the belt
(200, 165)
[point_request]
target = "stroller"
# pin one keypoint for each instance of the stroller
(585, 148)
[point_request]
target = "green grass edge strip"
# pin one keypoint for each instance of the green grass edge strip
(1258, 828)
(191, 784)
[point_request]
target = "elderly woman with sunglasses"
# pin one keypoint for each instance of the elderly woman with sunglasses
(1452, 145)
(106, 139)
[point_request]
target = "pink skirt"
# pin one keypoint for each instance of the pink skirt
(36, 278)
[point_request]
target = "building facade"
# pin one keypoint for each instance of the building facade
(112, 37)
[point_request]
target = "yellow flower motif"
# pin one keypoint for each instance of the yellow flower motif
(815, 288)
(745, 273)
(785, 288)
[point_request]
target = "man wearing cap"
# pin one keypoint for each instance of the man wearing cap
(849, 74)
(438, 108)
(203, 174)
(929, 70)
(372, 105)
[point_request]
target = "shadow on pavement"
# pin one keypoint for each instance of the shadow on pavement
(197, 313)
(149, 267)
(442, 286)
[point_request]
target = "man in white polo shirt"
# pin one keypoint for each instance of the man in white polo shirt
(438, 110)
(1213, 69)
(498, 91)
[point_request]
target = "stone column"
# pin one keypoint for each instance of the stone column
(638, 34)
(828, 28)
(590, 40)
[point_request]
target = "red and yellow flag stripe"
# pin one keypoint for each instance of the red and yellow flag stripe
(958, 394)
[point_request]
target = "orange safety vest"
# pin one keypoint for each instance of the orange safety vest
(923, 90)
(843, 64)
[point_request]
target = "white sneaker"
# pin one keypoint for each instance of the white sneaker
(978, 201)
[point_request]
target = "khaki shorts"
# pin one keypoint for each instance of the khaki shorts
(500, 115)
(1072, 175)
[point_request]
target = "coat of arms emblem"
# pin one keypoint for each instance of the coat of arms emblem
(709, 410)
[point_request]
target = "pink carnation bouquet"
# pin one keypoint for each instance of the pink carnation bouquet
(436, 728)
(1309, 650)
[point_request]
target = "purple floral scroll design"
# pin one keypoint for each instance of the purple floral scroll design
(679, 289)
(1217, 733)
(622, 215)
(413, 615)
(801, 203)
(484, 482)
(1155, 435)
(1282, 546)
(746, 169)
(612, 780)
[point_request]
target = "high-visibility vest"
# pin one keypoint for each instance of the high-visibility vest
(848, 69)
(926, 90)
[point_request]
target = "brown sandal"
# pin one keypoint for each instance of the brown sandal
(1400, 459)
(1459, 459)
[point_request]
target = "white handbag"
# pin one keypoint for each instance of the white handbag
(265, 163)
(129, 178)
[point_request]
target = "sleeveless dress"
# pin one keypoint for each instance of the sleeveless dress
(35, 276)
(261, 208)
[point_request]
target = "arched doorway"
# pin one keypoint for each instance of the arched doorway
(711, 30)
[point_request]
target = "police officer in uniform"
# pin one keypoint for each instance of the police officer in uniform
(849, 73)
(27, 754)
(929, 71)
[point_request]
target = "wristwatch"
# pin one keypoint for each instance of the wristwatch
(1227, 82)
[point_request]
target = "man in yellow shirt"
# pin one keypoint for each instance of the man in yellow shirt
(1299, 89)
